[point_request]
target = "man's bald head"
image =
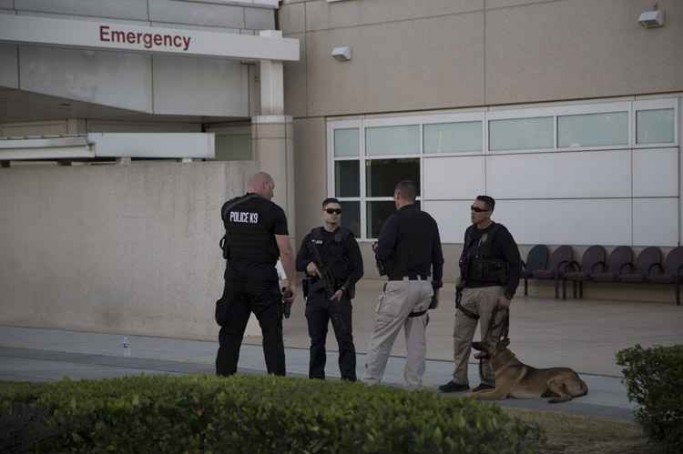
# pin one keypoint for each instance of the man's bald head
(262, 184)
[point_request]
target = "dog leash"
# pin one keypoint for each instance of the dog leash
(504, 323)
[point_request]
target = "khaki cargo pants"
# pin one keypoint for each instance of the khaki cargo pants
(395, 304)
(481, 301)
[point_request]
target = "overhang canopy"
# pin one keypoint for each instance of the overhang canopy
(98, 34)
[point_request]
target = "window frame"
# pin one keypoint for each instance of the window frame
(485, 116)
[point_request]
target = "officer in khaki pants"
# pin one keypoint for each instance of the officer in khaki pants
(490, 267)
(409, 250)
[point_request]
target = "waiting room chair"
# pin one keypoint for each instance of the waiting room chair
(648, 261)
(578, 273)
(671, 272)
(537, 259)
(609, 271)
(559, 259)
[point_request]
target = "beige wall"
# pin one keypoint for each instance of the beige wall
(115, 248)
(412, 55)
(430, 54)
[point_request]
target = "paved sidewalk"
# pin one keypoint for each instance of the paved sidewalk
(30, 354)
(583, 335)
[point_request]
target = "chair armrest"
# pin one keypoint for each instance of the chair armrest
(573, 266)
(658, 266)
(630, 266)
(562, 267)
(602, 265)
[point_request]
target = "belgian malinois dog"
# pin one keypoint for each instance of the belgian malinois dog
(516, 379)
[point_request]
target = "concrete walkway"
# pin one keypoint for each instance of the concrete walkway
(583, 335)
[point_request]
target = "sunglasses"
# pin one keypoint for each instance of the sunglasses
(478, 210)
(333, 210)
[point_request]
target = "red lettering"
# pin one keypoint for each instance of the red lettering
(147, 40)
(104, 33)
(118, 37)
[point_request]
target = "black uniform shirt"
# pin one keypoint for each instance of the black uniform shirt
(503, 247)
(251, 223)
(342, 257)
(409, 244)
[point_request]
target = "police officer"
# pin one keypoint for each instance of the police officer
(331, 259)
(255, 236)
(489, 273)
(409, 251)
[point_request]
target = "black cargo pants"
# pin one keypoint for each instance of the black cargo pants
(319, 312)
(250, 288)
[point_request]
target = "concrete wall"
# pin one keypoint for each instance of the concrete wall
(429, 54)
(415, 55)
(159, 84)
(111, 248)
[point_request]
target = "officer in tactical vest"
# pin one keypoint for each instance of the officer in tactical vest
(409, 252)
(331, 259)
(255, 236)
(490, 267)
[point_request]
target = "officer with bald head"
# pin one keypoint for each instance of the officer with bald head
(256, 236)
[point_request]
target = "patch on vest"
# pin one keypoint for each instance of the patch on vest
(244, 217)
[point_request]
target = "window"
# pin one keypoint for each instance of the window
(392, 140)
(381, 175)
(345, 142)
(351, 216)
(592, 130)
(453, 137)
(347, 178)
(521, 134)
(452, 156)
(655, 126)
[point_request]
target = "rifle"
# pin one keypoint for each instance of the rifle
(324, 273)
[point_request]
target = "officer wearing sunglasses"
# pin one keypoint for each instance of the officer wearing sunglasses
(490, 267)
(331, 259)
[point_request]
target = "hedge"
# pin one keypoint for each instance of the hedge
(247, 414)
(654, 378)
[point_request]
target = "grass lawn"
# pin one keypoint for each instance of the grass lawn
(579, 435)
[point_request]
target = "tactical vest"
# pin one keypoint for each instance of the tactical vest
(334, 254)
(247, 237)
(483, 267)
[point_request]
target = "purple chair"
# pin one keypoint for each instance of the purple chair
(671, 272)
(537, 259)
(649, 260)
(559, 259)
(578, 273)
(609, 271)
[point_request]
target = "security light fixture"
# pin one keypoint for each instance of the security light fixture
(342, 53)
(652, 18)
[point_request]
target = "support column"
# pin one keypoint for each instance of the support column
(272, 135)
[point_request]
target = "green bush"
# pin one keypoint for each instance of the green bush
(654, 378)
(260, 415)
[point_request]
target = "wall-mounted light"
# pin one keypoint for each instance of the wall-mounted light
(652, 18)
(342, 53)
